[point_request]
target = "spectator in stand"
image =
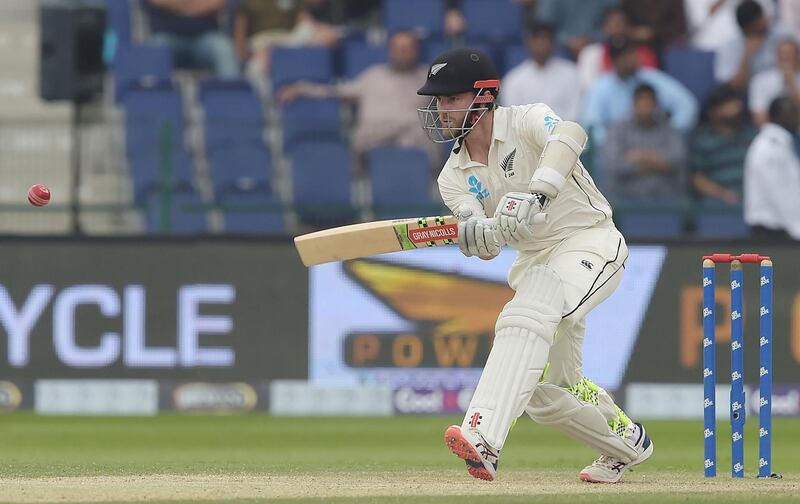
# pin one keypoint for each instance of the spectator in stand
(657, 23)
(782, 80)
(610, 99)
(386, 95)
(194, 33)
(543, 77)
(644, 158)
(789, 14)
(752, 51)
(261, 24)
(595, 60)
(712, 23)
(455, 25)
(577, 22)
(718, 148)
(772, 174)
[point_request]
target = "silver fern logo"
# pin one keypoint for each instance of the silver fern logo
(508, 164)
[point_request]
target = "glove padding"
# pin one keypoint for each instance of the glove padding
(476, 237)
(516, 214)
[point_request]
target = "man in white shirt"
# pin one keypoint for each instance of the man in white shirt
(752, 51)
(772, 174)
(543, 77)
(514, 177)
(782, 80)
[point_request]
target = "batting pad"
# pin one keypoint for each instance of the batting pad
(558, 407)
(523, 336)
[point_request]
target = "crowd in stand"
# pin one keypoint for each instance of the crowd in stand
(600, 62)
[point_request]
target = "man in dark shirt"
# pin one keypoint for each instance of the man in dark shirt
(718, 148)
(193, 30)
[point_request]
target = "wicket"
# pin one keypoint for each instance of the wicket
(737, 394)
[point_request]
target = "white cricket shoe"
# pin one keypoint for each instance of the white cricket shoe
(608, 469)
(469, 445)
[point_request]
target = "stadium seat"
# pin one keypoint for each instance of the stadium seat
(186, 215)
(146, 171)
(232, 114)
(252, 209)
(311, 119)
(693, 68)
(401, 180)
(713, 220)
(358, 56)
(152, 114)
(141, 65)
(321, 178)
(514, 54)
(650, 220)
(292, 64)
(424, 17)
(493, 20)
(242, 165)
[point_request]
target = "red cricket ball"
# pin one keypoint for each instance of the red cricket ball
(38, 195)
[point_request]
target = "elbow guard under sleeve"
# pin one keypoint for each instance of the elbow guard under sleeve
(561, 152)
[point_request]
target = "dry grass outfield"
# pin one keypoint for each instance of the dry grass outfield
(322, 485)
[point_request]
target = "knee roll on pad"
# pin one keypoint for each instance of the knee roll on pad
(559, 408)
(537, 304)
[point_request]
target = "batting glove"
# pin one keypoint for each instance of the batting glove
(517, 213)
(476, 237)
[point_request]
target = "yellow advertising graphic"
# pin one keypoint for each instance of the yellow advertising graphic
(448, 333)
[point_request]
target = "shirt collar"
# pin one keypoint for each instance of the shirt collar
(499, 133)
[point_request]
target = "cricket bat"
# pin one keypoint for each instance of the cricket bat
(372, 238)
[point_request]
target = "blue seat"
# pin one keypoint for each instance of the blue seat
(401, 180)
(232, 114)
(493, 20)
(146, 171)
(140, 65)
(693, 68)
(321, 179)
(514, 54)
(715, 220)
(153, 119)
(240, 166)
(311, 119)
(292, 64)
(186, 212)
(651, 220)
(424, 17)
(252, 209)
(359, 56)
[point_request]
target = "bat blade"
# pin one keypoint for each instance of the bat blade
(372, 238)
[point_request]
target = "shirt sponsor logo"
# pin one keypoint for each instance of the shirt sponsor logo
(476, 188)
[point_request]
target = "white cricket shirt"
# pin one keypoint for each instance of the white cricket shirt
(518, 138)
(772, 181)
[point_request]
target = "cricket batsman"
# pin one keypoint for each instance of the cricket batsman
(514, 177)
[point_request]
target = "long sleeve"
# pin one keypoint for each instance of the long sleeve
(782, 190)
(459, 200)
(676, 99)
(593, 116)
